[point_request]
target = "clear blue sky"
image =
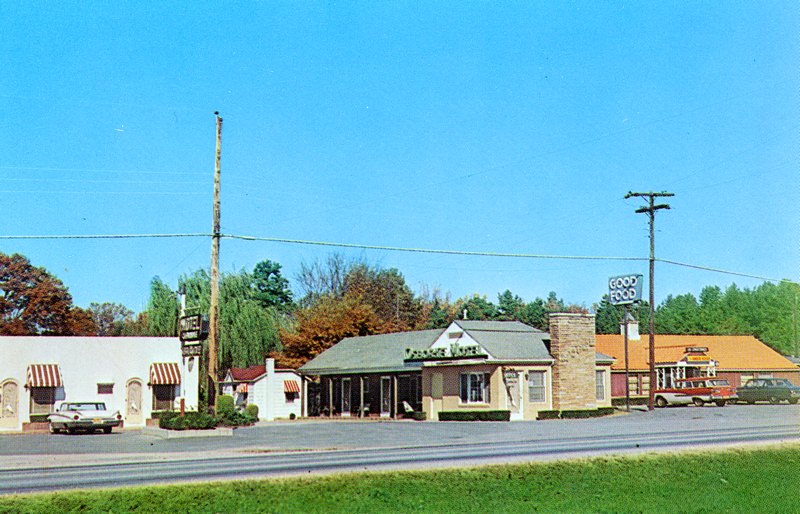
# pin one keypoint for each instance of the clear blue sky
(492, 126)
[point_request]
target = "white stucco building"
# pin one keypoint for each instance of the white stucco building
(278, 393)
(135, 375)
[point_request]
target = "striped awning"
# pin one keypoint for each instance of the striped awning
(44, 375)
(165, 373)
(291, 386)
(241, 388)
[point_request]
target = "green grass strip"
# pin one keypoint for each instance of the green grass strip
(764, 479)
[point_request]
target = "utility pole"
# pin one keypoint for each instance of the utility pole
(213, 315)
(650, 210)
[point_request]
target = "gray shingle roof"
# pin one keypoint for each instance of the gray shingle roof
(370, 354)
(508, 340)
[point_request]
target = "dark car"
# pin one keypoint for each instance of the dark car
(772, 390)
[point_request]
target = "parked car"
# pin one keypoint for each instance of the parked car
(772, 390)
(88, 416)
(697, 390)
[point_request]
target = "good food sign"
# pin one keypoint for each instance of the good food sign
(625, 289)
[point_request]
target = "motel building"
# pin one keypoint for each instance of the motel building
(277, 392)
(735, 358)
(135, 375)
(468, 366)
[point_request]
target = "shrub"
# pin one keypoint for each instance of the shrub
(475, 415)
(39, 418)
(252, 410)
(191, 421)
(635, 400)
(586, 413)
(225, 405)
(292, 415)
(237, 419)
(548, 414)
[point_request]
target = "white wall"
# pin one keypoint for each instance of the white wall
(87, 361)
(268, 394)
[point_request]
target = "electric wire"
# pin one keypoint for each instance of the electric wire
(430, 251)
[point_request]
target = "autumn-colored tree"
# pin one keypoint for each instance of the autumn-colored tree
(34, 302)
(323, 325)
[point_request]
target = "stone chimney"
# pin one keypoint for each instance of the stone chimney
(633, 328)
(572, 345)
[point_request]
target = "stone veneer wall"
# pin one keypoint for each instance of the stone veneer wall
(572, 345)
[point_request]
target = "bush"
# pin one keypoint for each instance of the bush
(237, 419)
(39, 418)
(475, 415)
(635, 400)
(191, 421)
(548, 414)
(586, 413)
(225, 405)
(252, 410)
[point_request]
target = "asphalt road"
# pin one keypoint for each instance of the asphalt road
(50, 462)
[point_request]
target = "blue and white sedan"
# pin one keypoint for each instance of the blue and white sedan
(88, 416)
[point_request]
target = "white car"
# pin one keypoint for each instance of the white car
(89, 416)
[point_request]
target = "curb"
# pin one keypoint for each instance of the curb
(185, 434)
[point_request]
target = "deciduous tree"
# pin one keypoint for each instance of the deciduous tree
(34, 302)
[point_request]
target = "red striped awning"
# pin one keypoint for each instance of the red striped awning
(241, 388)
(291, 386)
(165, 373)
(44, 375)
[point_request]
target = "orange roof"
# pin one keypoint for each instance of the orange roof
(731, 352)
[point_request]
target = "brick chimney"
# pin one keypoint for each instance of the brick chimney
(572, 345)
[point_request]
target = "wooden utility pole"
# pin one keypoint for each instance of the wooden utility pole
(650, 210)
(213, 315)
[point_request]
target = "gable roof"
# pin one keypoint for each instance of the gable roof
(370, 354)
(248, 374)
(508, 340)
(731, 352)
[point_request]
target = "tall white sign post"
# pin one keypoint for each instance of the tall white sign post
(625, 290)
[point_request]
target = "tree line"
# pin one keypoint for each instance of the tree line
(338, 298)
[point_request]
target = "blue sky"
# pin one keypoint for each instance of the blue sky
(492, 127)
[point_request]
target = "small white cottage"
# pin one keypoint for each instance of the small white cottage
(135, 375)
(278, 393)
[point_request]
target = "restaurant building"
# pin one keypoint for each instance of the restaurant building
(468, 366)
(135, 375)
(735, 358)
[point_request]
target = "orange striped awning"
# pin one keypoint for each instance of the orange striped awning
(44, 375)
(165, 373)
(291, 386)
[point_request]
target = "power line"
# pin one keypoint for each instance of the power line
(395, 249)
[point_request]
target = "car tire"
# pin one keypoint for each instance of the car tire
(54, 430)
(720, 403)
(661, 401)
(106, 430)
(698, 402)
(70, 430)
(773, 400)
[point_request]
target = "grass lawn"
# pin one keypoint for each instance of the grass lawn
(765, 479)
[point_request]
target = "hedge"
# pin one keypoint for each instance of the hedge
(475, 415)
(252, 410)
(635, 400)
(575, 414)
(191, 421)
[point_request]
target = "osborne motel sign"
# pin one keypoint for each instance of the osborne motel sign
(625, 289)
(193, 331)
(454, 352)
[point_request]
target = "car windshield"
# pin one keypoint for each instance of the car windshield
(86, 406)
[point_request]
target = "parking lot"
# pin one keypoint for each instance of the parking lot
(48, 449)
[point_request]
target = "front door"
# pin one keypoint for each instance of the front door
(437, 393)
(9, 405)
(133, 403)
(386, 396)
(345, 397)
(511, 379)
